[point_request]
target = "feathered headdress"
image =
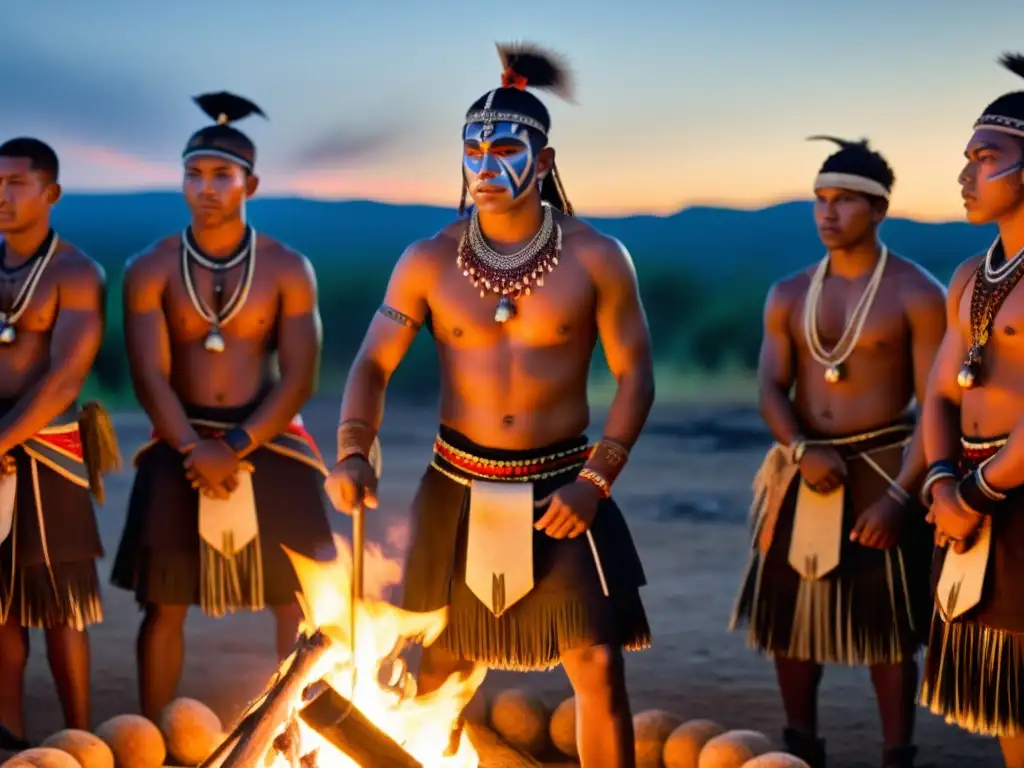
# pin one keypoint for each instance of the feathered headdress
(524, 65)
(222, 139)
(1006, 114)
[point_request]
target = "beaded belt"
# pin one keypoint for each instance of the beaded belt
(463, 467)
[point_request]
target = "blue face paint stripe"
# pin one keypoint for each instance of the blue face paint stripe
(1005, 172)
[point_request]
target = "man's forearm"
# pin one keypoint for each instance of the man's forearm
(912, 471)
(630, 408)
(362, 408)
(634, 397)
(277, 411)
(778, 413)
(48, 398)
(164, 408)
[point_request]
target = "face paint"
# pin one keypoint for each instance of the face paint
(1004, 172)
(506, 151)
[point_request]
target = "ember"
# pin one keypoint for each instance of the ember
(327, 707)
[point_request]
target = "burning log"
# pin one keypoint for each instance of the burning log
(254, 735)
(336, 719)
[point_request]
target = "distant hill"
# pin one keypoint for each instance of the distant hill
(716, 241)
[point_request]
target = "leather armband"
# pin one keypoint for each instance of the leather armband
(355, 438)
(607, 459)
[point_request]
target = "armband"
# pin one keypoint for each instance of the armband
(978, 496)
(607, 459)
(355, 438)
(938, 470)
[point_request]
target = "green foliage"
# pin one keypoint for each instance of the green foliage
(699, 326)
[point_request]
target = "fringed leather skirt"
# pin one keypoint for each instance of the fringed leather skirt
(974, 665)
(871, 609)
(585, 590)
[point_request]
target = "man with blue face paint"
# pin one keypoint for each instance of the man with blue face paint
(838, 571)
(514, 528)
(974, 668)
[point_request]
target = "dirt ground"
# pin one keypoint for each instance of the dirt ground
(685, 492)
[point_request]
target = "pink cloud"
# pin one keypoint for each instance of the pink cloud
(97, 167)
(339, 185)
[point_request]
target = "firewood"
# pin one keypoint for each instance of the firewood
(256, 731)
(332, 716)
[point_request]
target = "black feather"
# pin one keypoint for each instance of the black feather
(541, 68)
(841, 143)
(1013, 62)
(233, 107)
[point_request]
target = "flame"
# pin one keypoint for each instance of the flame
(420, 724)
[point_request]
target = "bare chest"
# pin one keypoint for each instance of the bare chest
(835, 315)
(550, 315)
(240, 305)
(27, 307)
(1006, 327)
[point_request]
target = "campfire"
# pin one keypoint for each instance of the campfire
(329, 709)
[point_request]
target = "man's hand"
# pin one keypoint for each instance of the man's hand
(211, 467)
(350, 482)
(952, 520)
(822, 468)
(571, 510)
(880, 524)
(8, 465)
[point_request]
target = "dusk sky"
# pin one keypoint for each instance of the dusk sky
(679, 102)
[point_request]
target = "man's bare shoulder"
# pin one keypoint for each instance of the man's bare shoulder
(74, 267)
(154, 259)
(788, 290)
(599, 252)
(432, 253)
(290, 263)
(916, 282)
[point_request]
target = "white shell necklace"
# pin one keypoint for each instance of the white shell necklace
(833, 359)
(9, 318)
(214, 341)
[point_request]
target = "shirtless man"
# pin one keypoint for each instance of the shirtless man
(848, 345)
(974, 443)
(223, 353)
(52, 305)
(514, 369)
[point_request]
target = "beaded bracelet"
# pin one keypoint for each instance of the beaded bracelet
(592, 477)
(937, 470)
(978, 496)
(898, 494)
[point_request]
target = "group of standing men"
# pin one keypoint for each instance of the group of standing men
(875, 536)
(515, 530)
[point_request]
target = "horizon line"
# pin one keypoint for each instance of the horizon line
(602, 214)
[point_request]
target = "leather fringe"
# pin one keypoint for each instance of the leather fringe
(230, 584)
(522, 641)
(974, 676)
(64, 595)
(100, 448)
(846, 621)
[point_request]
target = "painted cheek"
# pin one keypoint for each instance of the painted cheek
(1004, 172)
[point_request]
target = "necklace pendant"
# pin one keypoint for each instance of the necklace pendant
(7, 334)
(214, 342)
(968, 375)
(834, 373)
(505, 311)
